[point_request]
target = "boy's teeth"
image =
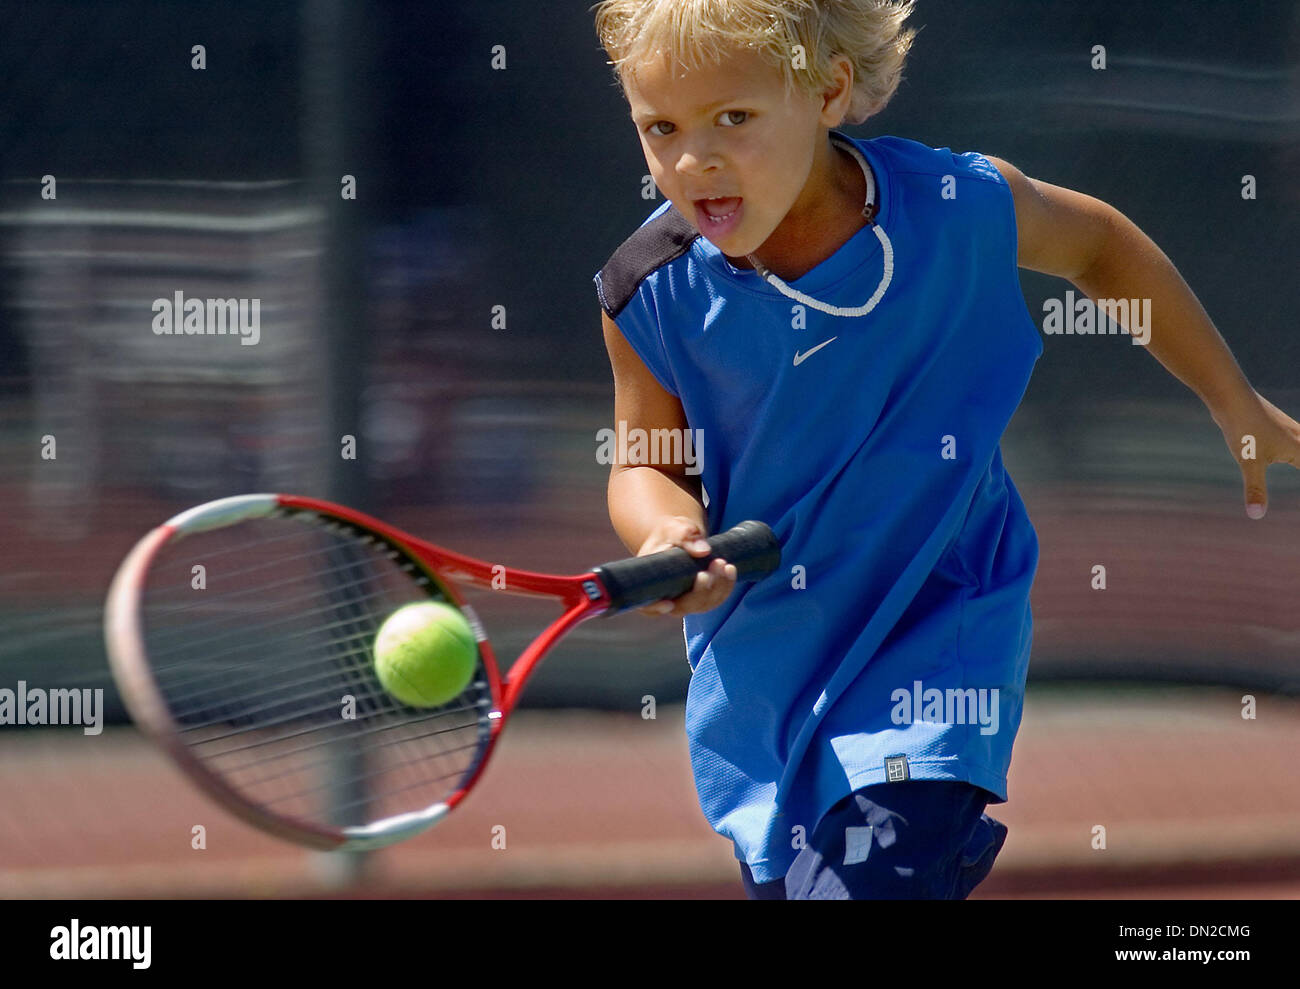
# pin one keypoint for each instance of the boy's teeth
(719, 208)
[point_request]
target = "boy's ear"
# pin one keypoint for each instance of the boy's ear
(840, 103)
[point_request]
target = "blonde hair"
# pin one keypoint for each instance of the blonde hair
(694, 32)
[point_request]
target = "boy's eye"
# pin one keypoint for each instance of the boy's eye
(653, 128)
(734, 118)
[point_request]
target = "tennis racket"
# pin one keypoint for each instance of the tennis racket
(240, 635)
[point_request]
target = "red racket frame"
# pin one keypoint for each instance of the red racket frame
(582, 597)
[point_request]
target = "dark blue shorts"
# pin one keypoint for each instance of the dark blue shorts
(914, 840)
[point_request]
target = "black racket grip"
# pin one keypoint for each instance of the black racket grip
(639, 580)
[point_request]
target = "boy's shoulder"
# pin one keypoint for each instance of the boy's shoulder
(664, 236)
(906, 156)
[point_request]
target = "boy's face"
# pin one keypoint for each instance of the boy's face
(728, 145)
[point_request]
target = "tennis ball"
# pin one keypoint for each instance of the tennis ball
(425, 653)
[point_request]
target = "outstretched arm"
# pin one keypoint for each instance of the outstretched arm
(1105, 255)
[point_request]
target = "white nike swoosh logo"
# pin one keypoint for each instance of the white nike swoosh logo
(800, 358)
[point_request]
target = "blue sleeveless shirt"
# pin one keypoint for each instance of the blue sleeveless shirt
(893, 643)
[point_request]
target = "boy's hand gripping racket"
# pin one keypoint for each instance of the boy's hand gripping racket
(243, 670)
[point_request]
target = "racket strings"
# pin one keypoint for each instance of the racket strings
(231, 597)
(268, 671)
(189, 696)
(212, 738)
(311, 746)
(367, 799)
(237, 647)
(408, 760)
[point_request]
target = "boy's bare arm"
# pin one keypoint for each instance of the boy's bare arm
(639, 495)
(654, 507)
(1106, 255)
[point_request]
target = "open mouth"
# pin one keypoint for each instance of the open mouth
(718, 215)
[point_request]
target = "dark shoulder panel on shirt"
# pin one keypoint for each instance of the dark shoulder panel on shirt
(667, 237)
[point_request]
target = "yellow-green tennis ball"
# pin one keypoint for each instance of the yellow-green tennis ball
(425, 653)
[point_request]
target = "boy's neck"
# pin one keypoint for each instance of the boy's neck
(821, 221)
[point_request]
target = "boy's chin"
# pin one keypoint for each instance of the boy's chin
(733, 248)
(735, 252)
(736, 255)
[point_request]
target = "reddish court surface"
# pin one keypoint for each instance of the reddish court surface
(1196, 802)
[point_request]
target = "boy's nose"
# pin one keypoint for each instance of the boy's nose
(696, 163)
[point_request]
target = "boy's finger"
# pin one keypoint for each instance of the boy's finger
(711, 588)
(1252, 473)
(723, 572)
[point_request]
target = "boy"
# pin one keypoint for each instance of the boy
(842, 322)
